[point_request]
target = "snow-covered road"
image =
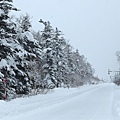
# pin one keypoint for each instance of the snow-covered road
(85, 103)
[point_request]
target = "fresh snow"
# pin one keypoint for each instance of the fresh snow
(1, 12)
(95, 102)
(3, 62)
(28, 35)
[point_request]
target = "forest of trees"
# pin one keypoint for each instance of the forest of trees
(34, 62)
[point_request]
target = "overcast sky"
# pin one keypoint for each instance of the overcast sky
(92, 26)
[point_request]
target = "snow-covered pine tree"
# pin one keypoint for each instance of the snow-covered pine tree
(7, 43)
(59, 45)
(6, 29)
(68, 65)
(31, 51)
(79, 64)
(48, 54)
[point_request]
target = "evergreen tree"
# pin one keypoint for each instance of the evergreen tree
(30, 53)
(49, 66)
(59, 45)
(7, 43)
(6, 29)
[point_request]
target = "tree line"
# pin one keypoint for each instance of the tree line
(34, 62)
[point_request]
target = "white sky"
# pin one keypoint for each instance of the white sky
(92, 26)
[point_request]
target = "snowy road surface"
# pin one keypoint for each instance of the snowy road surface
(85, 103)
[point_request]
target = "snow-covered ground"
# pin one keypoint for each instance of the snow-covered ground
(96, 102)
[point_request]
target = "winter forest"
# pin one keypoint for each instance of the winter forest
(35, 62)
